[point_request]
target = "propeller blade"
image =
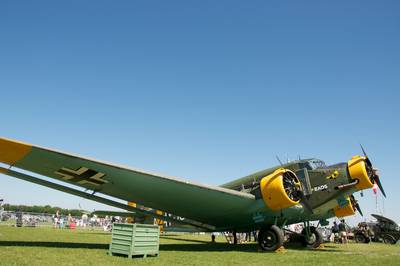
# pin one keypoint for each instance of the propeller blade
(355, 204)
(378, 182)
(279, 160)
(304, 201)
(358, 209)
(362, 148)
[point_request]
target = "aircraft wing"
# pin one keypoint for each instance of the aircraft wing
(203, 203)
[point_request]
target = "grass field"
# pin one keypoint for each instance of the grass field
(48, 246)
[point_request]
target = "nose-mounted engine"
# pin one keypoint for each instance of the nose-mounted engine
(281, 189)
(365, 176)
(361, 169)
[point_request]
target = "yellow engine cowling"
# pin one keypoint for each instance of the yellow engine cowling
(132, 204)
(131, 220)
(347, 210)
(158, 221)
(358, 170)
(273, 190)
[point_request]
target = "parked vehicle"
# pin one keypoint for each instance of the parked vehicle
(383, 230)
(363, 233)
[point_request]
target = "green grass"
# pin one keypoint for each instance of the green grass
(48, 246)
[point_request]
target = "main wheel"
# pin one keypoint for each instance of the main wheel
(361, 238)
(270, 238)
(389, 239)
(314, 240)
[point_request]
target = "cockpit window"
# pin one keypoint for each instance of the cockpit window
(316, 164)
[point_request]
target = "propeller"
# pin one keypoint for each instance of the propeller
(295, 192)
(355, 204)
(373, 172)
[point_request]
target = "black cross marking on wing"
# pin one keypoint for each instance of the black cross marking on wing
(82, 175)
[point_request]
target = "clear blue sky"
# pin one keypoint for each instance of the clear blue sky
(205, 90)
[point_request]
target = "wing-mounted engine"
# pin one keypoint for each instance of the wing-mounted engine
(346, 210)
(281, 189)
(349, 208)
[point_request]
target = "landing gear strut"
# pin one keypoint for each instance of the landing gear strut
(235, 240)
(270, 238)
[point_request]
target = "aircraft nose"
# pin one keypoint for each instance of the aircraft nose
(361, 169)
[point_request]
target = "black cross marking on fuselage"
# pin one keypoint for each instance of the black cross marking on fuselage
(82, 175)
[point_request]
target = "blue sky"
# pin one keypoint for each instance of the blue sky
(205, 90)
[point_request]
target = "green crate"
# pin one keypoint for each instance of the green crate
(135, 240)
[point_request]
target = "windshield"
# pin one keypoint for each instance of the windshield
(316, 164)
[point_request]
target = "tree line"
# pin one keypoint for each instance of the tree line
(43, 209)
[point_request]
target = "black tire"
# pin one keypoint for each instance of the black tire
(314, 240)
(375, 239)
(270, 238)
(389, 239)
(361, 238)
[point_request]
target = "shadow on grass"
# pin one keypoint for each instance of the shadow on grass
(225, 247)
(53, 244)
(210, 247)
(96, 233)
(198, 246)
(299, 246)
(250, 247)
(186, 240)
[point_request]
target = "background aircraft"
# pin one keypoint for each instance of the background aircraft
(299, 191)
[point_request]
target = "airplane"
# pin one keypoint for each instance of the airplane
(300, 191)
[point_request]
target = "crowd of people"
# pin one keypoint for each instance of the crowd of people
(85, 221)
